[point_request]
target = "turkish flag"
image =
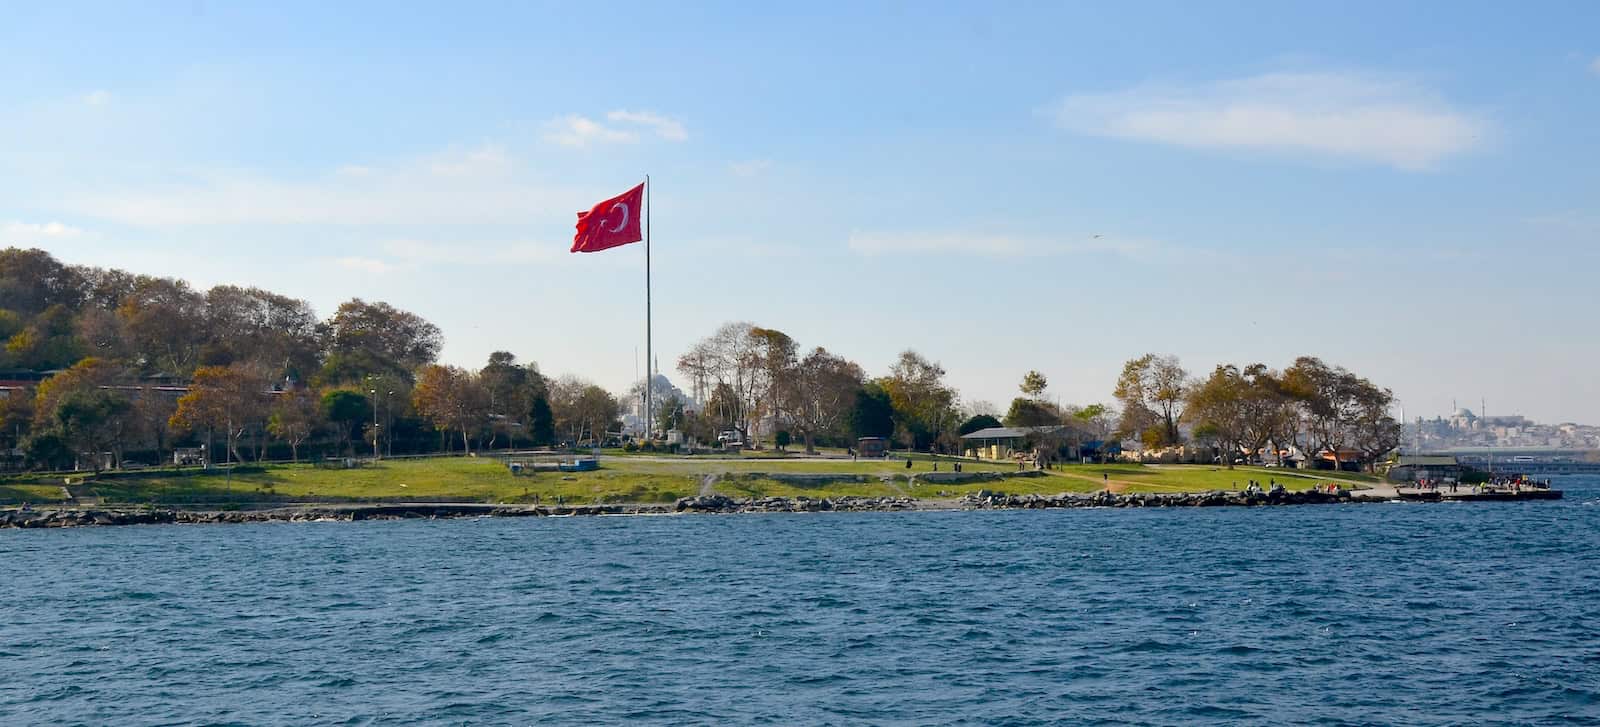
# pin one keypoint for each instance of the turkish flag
(612, 223)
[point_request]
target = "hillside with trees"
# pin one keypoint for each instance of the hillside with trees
(102, 367)
(133, 367)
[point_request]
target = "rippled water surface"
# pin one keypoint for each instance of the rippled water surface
(1386, 614)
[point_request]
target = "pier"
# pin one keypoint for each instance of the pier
(1477, 494)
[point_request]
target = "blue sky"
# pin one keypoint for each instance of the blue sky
(1411, 190)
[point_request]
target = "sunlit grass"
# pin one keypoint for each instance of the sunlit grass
(634, 479)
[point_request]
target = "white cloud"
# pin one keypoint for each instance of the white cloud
(97, 98)
(625, 126)
(476, 252)
(364, 265)
(1338, 115)
(750, 167)
(580, 131)
(898, 243)
(664, 127)
(471, 185)
(21, 231)
(1594, 66)
(410, 255)
(469, 161)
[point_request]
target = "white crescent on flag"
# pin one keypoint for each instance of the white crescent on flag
(624, 221)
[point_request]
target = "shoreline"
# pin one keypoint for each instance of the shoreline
(60, 517)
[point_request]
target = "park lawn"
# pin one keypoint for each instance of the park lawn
(756, 486)
(707, 465)
(467, 479)
(1009, 486)
(633, 479)
(16, 494)
(1201, 478)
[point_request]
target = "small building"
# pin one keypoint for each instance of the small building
(872, 446)
(1429, 467)
(1007, 442)
(1347, 460)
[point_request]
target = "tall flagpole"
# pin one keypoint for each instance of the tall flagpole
(649, 359)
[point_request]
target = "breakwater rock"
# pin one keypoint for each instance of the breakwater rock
(1215, 498)
(725, 504)
(715, 503)
(78, 517)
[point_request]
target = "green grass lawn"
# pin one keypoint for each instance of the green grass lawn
(1199, 478)
(632, 479)
(12, 494)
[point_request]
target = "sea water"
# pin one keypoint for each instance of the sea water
(1347, 614)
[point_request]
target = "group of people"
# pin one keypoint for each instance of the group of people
(1434, 485)
(1498, 484)
(1254, 486)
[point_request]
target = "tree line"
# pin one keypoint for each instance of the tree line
(744, 375)
(262, 376)
(146, 365)
(1254, 411)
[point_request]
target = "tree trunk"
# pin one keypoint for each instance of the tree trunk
(810, 446)
(466, 446)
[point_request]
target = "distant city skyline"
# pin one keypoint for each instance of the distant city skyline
(1001, 189)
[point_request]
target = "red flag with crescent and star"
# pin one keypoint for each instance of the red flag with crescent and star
(612, 223)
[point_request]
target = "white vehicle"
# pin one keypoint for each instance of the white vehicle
(730, 437)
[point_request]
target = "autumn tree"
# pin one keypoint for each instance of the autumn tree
(295, 415)
(451, 398)
(16, 417)
(1098, 419)
(84, 408)
(1325, 397)
(151, 419)
(364, 339)
(231, 399)
(1034, 384)
(821, 391)
(1152, 390)
(1340, 411)
(511, 388)
(924, 406)
(776, 357)
(46, 341)
(1219, 405)
(165, 324)
(730, 361)
(275, 332)
(32, 281)
(1374, 431)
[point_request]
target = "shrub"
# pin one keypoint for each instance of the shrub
(630, 447)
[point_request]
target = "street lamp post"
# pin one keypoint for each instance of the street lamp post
(389, 446)
(375, 400)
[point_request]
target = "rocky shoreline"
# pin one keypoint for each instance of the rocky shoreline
(998, 501)
(707, 504)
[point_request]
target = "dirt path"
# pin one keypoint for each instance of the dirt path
(1112, 485)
